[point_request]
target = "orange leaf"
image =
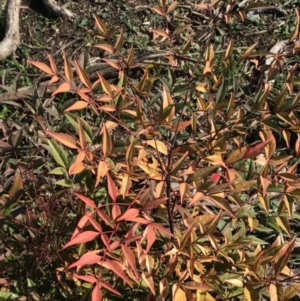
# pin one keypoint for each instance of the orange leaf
(88, 258)
(76, 168)
(172, 6)
(78, 105)
(52, 63)
(54, 79)
(82, 237)
(68, 70)
(157, 10)
(105, 84)
(64, 87)
(96, 293)
(112, 189)
(128, 215)
(106, 142)
(64, 139)
(107, 108)
(41, 66)
(117, 268)
(86, 200)
(105, 47)
(112, 63)
(160, 32)
(159, 146)
(83, 76)
(149, 280)
(126, 184)
(101, 172)
(179, 126)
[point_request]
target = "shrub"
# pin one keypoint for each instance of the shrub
(180, 188)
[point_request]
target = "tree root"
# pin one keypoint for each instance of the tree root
(11, 40)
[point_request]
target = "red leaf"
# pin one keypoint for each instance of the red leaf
(96, 293)
(215, 177)
(88, 201)
(88, 258)
(82, 237)
(109, 287)
(83, 221)
(128, 215)
(117, 268)
(129, 256)
(150, 236)
(87, 278)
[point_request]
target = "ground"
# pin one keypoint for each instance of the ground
(42, 33)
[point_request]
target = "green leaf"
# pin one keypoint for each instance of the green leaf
(221, 92)
(201, 173)
(57, 171)
(8, 296)
(73, 119)
(177, 165)
(65, 183)
(58, 154)
(283, 256)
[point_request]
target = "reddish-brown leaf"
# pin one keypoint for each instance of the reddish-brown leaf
(256, 149)
(149, 205)
(283, 256)
(100, 23)
(81, 238)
